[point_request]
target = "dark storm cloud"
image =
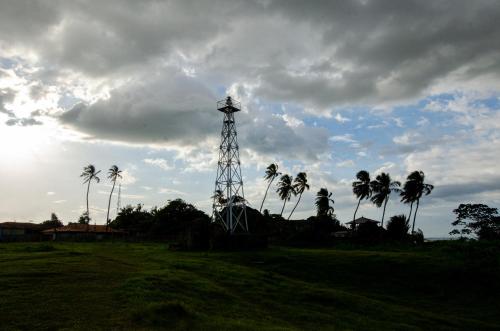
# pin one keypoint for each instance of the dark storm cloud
(153, 110)
(320, 53)
(452, 191)
(390, 50)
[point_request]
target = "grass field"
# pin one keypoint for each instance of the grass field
(94, 286)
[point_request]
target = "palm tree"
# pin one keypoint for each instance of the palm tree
(299, 186)
(416, 181)
(285, 190)
(408, 194)
(89, 173)
(361, 188)
(271, 174)
(382, 188)
(113, 173)
(323, 198)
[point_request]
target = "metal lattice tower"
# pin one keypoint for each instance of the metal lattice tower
(229, 206)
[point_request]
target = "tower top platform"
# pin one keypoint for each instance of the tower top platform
(228, 105)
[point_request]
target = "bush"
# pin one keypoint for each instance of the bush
(398, 227)
(174, 218)
(368, 233)
(418, 237)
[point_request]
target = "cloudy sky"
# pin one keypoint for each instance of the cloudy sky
(327, 87)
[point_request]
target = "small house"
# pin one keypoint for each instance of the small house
(362, 220)
(82, 232)
(20, 231)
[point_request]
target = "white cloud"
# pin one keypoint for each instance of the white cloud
(160, 163)
(346, 138)
(170, 191)
(339, 118)
(346, 164)
(127, 177)
(406, 138)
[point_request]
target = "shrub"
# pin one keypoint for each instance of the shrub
(398, 227)
(368, 233)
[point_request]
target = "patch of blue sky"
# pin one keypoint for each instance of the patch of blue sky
(67, 101)
(492, 103)
(221, 91)
(6, 63)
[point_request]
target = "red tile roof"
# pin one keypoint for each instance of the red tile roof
(20, 225)
(79, 228)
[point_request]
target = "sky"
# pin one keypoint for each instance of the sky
(327, 87)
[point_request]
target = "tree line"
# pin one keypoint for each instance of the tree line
(378, 191)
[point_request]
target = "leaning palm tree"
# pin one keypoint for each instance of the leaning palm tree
(382, 188)
(285, 190)
(361, 188)
(408, 195)
(89, 173)
(416, 180)
(113, 174)
(299, 186)
(271, 174)
(323, 198)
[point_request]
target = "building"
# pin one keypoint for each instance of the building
(362, 220)
(14, 231)
(82, 232)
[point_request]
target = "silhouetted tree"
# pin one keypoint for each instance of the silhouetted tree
(175, 217)
(397, 227)
(84, 218)
(54, 221)
(299, 186)
(361, 188)
(136, 221)
(323, 208)
(219, 197)
(408, 195)
(478, 219)
(113, 174)
(285, 190)
(89, 173)
(382, 188)
(271, 174)
(417, 188)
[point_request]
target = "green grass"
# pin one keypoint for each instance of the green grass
(106, 286)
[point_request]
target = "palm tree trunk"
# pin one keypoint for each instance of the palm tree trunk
(356, 211)
(282, 209)
(88, 213)
(415, 217)
(109, 205)
(265, 195)
(300, 196)
(383, 213)
(411, 207)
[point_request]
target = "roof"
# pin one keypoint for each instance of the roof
(362, 220)
(20, 225)
(79, 228)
